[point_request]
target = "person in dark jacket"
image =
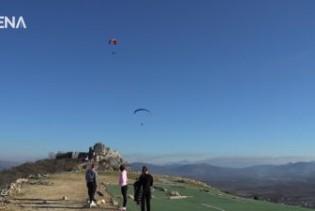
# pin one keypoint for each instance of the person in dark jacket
(145, 183)
(91, 182)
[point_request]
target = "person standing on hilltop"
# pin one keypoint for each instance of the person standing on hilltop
(91, 182)
(145, 183)
(123, 183)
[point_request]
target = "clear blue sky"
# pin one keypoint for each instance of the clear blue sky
(221, 78)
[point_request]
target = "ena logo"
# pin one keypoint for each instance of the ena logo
(12, 22)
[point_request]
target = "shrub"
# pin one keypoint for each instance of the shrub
(39, 167)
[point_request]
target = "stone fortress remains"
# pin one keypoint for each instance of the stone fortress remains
(99, 153)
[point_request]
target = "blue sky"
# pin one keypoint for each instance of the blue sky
(221, 78)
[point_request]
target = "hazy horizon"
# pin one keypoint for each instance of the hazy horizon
(167, 159)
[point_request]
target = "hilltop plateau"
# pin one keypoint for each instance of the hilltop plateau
(67, 191)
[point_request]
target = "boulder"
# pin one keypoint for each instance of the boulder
(174, 193)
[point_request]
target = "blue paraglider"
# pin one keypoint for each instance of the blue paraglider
(141, 110)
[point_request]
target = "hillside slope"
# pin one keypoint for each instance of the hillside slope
(47, 194)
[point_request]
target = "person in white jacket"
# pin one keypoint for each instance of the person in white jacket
(123, 183)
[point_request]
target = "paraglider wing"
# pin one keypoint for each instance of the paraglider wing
(113, 41)
(141, 109)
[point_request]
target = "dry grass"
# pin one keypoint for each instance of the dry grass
(50, 197)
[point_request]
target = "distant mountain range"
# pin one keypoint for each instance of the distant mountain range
(7, 164)
(243, 162)
(206, 172)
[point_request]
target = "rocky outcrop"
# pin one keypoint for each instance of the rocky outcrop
(14, 187)
(107, 157)
(104, 153)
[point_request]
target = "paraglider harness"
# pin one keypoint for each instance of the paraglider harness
(138, 191)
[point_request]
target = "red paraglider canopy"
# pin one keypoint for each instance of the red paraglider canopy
(113, 41)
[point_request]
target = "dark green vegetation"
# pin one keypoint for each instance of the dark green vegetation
(199, 198)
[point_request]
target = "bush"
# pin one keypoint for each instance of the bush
(39, 167)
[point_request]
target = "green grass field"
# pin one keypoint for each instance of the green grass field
(201, 199)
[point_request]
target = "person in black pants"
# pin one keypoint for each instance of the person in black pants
(123, 183)
(145, 183)
(91, 182)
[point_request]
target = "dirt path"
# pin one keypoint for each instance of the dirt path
(48, 193)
